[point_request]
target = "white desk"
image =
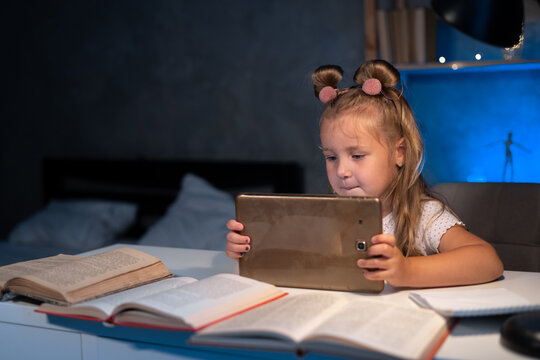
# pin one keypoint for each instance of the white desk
(26, 334)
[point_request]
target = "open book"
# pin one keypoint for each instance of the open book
(181, 303)
(334, 324)
(69, 279)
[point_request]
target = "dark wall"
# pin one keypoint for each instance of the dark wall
(213, 79)
(221, 79)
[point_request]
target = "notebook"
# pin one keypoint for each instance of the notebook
(474, 302)
(309, 241)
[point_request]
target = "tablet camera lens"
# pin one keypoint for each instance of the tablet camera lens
(361, 245)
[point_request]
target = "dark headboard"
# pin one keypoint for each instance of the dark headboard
(154, 184)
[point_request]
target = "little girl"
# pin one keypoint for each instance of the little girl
(372, 147)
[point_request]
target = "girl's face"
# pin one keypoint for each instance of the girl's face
(357, 164)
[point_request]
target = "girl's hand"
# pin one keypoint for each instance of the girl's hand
(237, 245)
(386, 261)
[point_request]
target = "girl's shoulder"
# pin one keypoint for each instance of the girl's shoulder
(431, 205)
(435, 220)
(434, 209)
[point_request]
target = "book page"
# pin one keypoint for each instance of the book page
(382, 326)
(106, 305)
(206, 299)
(87, 270)
(291, 317)
(24, 268)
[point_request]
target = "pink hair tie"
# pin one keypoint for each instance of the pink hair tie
(372, 86)
(327, 94)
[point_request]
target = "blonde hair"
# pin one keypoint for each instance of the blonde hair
(408, 190)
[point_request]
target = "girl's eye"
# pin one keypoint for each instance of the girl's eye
(330, 158)
(356, 157)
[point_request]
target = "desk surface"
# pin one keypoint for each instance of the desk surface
(472, 338)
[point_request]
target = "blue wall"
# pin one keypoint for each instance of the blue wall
(466, 115)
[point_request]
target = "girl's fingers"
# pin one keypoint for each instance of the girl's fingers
(237, 244)
(236, 238)
(234, 225)
(388, 239)
(238, 249)
(374, 274)
(383, 245)
(382, 249)
(371, 264)
(233, 254)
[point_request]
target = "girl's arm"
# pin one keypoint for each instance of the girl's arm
(464, 259)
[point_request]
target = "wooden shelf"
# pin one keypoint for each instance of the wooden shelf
(467, 66)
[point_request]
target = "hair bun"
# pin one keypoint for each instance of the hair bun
(326, 76)
(381, 70)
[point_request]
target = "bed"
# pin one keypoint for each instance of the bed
(89, 203)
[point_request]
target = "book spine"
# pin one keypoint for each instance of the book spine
(370, 29)
(394, 36)
(430, 30)
(418, 30)
(72, 316)
(383, 36)
(403, 32)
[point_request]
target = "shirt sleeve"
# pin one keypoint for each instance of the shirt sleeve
(433, 225)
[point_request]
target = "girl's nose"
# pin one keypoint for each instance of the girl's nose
(343, 170)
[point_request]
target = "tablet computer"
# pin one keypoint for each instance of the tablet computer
(309, 241)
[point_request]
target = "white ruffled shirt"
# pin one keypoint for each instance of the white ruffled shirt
(433, 224)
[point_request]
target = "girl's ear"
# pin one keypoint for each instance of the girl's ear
(400, 152)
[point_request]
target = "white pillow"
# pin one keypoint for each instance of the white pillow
(196, 219)
(75, 224)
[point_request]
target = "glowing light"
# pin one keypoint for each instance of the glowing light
(476, 178)
(455, 66)
(442, 59)
(476, 175)
(478, 56)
